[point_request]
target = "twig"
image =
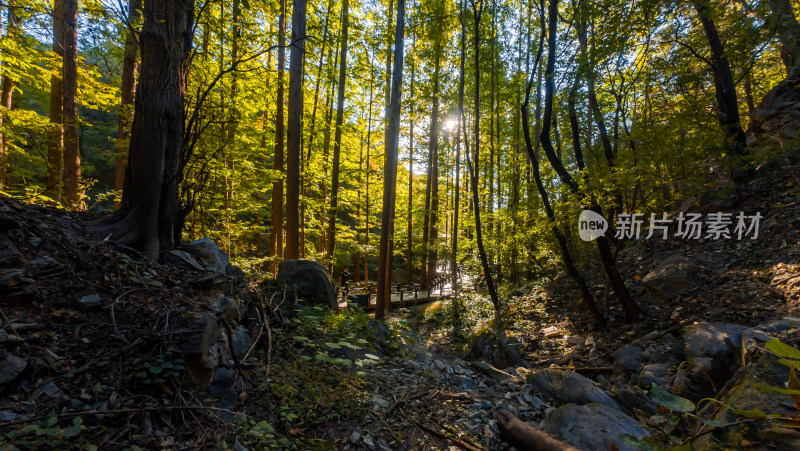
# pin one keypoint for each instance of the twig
(456, 440)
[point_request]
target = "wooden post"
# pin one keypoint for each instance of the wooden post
(401, 294)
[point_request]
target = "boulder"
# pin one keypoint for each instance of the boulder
(711, 351)
(182, 259)
(748, 393)
(673, 277)
(310, 281)
(627, 359)
(241, 342)
(655, 373)
(208, 254)
(633, 399)
(776, 120)
(569, 387)
(592, 427)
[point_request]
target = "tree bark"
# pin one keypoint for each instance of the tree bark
(337, 145)
(725, 88)
(72, 157)
(409, 218)
(433, 156)
(788, 30)
(390, 170)
(126, 97)
(294, 130)
(55, 144)
(276, 219)
(12, 32)
(150, 218)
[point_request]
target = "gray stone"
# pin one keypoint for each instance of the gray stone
(592, 427)
(9, 256)
(227, 310)
(182, 259)
(208, 254)
(199, 353)
(674, 277)
(89, 303)
(569, 387)
(241, 342)
(355, 436)
(712, 345)
(441, 366)
(634, 400)
(655, 373)
(12, 369)
(310, 280)
(627, 359)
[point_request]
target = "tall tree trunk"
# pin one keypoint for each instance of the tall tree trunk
(630, 307)
(294, 130)
(150, 218)
(572, 270)
(126, 97)
(72, 157)
(12, 32)
(727, 103)
(55, 143)
(409, 218)
(390, 170)
(474, 167)
(276, 222)
(337, 145)
(433, 156)
(460, 127)
(367, 210)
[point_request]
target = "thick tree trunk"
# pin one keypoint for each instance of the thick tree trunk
(337, 145)
(294, 130)
(390, 170)
(55, 144)
(72, 157)
(150, 218)
(126, 98)
(276, 220)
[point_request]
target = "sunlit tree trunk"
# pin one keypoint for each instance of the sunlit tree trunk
(12, 32)
(433, 156)
(390, 170)
(276, 220)
(337, 145)
(409, 218)
(55, 144)
(294, 130)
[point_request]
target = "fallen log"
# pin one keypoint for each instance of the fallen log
(524, 437)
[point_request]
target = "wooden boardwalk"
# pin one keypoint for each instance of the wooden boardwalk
(402, 298)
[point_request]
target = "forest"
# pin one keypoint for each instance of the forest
(399, 224)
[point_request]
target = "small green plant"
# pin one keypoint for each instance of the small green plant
(159, 369)
(47, 434)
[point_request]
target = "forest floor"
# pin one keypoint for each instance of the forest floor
(106, 371)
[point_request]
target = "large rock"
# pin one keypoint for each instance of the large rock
(569, 387)
(208, 254)
(711, 351)
(748, 393)
(776, 120)
(627, 359)
(310, 280)
(674, 277)
(592, 427)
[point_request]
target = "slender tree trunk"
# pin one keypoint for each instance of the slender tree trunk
(630, 307)
(72, 157)
(461, 127)
(390, 170)
(409, 218)
(294, 130)
(337, 146)
(12, 32)
(126, 94)
(55, 145)
(727, 103)
(433, 156)
(276, 220)
(367, 210)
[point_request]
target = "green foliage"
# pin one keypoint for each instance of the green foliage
(48, 434)
(157, 370)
